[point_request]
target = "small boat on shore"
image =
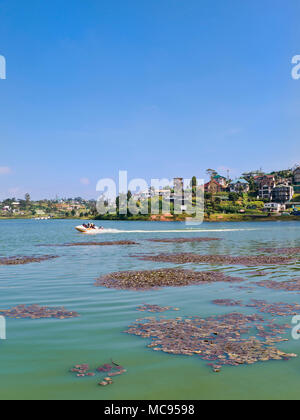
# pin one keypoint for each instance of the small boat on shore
(89, 229)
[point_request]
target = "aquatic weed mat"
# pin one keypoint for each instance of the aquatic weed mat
(107, 243)
(218, 339)
(38, 312)
(184, 240)
(108, 370)
(288, 285)
(274, 309)
(186, 258)
(20, 260)
(155, 279)
(153, 308)
(281, 251)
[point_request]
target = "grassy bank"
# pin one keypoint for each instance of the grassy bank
(210, 218)
(249, 218)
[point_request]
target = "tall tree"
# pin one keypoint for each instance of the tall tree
(211, 173)
(194, 182)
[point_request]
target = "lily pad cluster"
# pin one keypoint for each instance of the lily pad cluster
(153, 279)
(217, 339)
(185, 258)
(37, 312)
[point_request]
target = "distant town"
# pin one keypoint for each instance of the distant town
(254, 195)
(47, 209)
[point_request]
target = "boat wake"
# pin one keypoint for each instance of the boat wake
(103, 231)
(117, 231)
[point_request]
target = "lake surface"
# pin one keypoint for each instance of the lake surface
(36, 357)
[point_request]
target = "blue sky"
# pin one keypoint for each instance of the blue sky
(160, 88)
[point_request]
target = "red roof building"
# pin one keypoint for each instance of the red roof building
(213, 187)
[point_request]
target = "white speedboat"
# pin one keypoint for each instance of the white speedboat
(84, 229)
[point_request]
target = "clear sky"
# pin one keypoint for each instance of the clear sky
(160, 88)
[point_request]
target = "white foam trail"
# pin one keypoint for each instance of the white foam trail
(116, 231)
(101, 232)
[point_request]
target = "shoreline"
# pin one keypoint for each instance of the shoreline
(217, 218)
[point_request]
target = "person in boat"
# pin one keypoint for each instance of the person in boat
(90, 226)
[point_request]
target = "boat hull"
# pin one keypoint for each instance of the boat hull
(82, 229)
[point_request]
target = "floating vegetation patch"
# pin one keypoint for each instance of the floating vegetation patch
(26, 260)
(153, 279)
(184, 240)
(278, 308)
(82, 370)
(290, 285)
(274, 309)
(37, 312)
(227, 302)
(155, 308)
(185, 258)
(280, 251)
(107, 371)
(217, 339)
(108, 243)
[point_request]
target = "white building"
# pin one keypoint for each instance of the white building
(274, 207)
(282, 193)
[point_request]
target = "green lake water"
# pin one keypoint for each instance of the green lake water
(36, 357)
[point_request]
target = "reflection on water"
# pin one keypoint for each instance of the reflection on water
(37, 354)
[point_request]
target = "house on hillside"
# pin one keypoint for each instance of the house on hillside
(239, 186)
(297, 176)
(221, 180)
(296, 179)
(213, 187)
(282, 193)
(265, 184)
(262, 179)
